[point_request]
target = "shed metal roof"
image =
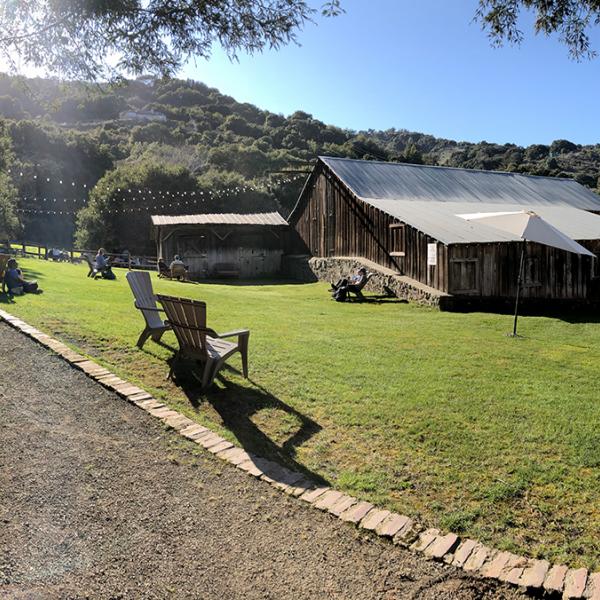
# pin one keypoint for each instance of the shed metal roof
(270, 219)
(429, 198)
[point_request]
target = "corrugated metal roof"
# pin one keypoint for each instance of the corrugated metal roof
(399, 181)
(429, 198)
(439, 220)
(272, 219)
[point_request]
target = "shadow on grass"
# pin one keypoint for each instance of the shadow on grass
(250, 282)
(383, 299)
(237, 404)
(562, 310)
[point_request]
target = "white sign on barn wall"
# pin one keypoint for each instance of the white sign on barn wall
(431, 255)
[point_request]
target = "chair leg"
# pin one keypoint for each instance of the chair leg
(172, 367)
(243, 345)
(157, 335)
(209, 373)
(143, 337)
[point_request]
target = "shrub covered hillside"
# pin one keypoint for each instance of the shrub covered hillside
(89, 165)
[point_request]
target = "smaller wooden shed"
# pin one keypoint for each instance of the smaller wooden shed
(223, 245)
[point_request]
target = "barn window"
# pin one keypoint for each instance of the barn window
(531, 275)
(465, 275)
(397, 240)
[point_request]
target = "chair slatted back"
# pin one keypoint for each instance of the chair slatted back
(188, 321)
(366, 280)
(141, 286)
(4, 258)
(178, 271)
(88, 259)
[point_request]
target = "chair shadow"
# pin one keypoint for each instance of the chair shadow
(237, 404)
(383, 299)
(160, 343)
(251, 282)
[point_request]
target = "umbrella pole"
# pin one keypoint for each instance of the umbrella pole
(519, 283)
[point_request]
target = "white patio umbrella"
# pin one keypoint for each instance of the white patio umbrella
(528, 226)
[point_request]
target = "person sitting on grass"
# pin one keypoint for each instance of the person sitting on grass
(14, 281)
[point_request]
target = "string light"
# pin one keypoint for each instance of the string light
(157, 197)
(159, 192)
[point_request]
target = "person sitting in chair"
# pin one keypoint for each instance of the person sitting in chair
(101, 260)
(177, 261)
(178, 268)
(353, 285)
(162, 268)
(103, 265)
(15, 282)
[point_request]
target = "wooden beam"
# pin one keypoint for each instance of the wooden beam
(221, 237)
(397, 253)
(396, 225)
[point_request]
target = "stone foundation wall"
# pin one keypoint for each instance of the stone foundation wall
(383, 281)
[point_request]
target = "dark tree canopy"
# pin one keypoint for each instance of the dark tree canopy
(570, 19)
(95, 39)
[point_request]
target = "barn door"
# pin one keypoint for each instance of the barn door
(194, 253)
(329, 236)
(464, 274)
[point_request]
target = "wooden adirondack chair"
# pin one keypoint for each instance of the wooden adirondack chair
(179, 272)
(93, 272)
(196, 341)
(145, 301)
(357, 290)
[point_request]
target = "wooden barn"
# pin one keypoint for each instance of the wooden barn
(404, 217)
(223, 245)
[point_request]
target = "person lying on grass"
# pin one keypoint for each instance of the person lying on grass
(15, 282)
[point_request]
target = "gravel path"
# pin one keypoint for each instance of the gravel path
(98, 500)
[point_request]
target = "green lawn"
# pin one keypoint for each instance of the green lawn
(436, 415)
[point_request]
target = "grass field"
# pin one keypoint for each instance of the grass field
(436, 415)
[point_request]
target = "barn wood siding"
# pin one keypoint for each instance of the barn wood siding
(549, 272)
(331, 222)
(253, 251)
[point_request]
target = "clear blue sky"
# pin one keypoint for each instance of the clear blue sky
(420, 65)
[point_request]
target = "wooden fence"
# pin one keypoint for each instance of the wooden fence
(42, 252)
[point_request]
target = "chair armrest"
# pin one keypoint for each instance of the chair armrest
(237, 332)
(154, 308)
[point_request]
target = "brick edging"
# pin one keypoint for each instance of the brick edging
(469, 555)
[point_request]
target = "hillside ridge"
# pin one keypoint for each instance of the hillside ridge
(174, 135)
